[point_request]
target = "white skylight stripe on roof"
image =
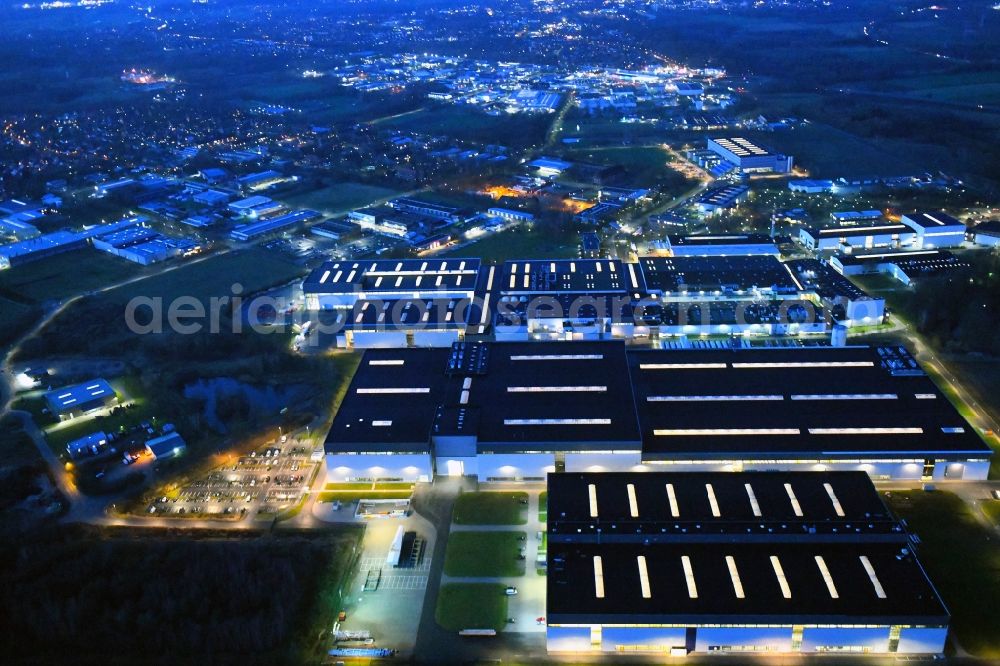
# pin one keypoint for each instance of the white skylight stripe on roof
(592, 496)
(833, 498)
(682, 366)
(689, 577)
(350, 276)
(796, 507)
(643, 577)
(529, 422)
(378, 281)
(557, 357)
(925, 396)
(326, 276)
(489, 280)
(486, 310)
(712, 501)
(399, 280)
(631, 272)
(467, 383)
(779, 573)
(598, 577)
(556, 389)
(865, 431)
(513, 280)
(381, 424)
(672, 498)
(712, 398)
(794, 279)
(527, 279)
(552, 267)
(806, 364)
(597, 265)
(572, 267)
(387, 361)
(723, 432)
(827, 578)
(734, 575)
(336, 278)
(437, 282)
(633, 504)
(844, 396)
(464, 398)
(754, 506)
(390, 391)
(870, 570)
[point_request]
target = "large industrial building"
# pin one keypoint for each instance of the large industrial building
(935, 229)
(517, 411)
(71, 401)
(415, 302)
(763, 564)
(837, 238)
(748, 157)
(720, 245)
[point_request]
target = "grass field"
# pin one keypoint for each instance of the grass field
(645, 164)
(15, 318)
(491, 508)
(65, 275)
(339, 198)
(255, 269)
(992, 510)
(484, 554)
(521, 242)
(949, 530)
(468, 123)
(348, 492)
(828, 152)
(472, 606)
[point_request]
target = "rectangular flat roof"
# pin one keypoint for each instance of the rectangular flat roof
(671, 506)
(542, 276)
(535, 396)
(741, 147)
(71, 397)
(393, 276)
(859, 230)
(687, 274)
(822, 402)
(727, 239)
(743, 583)
(933, 219)
(390, 403)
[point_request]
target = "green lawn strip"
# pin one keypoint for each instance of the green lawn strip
(471, 606)
(951, 534)
(491, 508)
(543, 506)
(484, 554)
(351, 495)
(992, 510)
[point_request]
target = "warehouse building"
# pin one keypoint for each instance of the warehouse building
(748, 157)
(935, 229)
(720, 198)
(905, 266)
(255, 230)
(987, 234)
(72, 401)
(764, 564)
(516, 411)
(727, 245)
(861, 237)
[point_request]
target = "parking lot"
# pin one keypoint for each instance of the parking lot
(264, 482)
